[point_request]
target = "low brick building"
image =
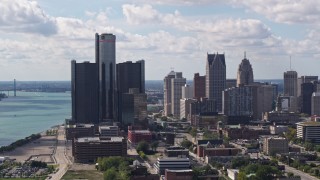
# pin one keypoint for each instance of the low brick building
(178, 174)
(244, 133)
(88, 149)
(135, 136)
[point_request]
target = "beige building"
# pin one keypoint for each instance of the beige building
(273, 145)
(167, 93)
(176, 93)
(185, 107)
(245, 72)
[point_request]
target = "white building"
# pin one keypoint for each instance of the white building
(309, 131)
(187, 91)
(109, 131)
(176, 93)
(171, 163)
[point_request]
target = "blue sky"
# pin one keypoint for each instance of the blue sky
(39, 38)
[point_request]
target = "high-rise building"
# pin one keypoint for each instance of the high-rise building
(273, 145)
(129, 75)
(186, 91)
(315, 104)
(245, 73)
(85, 92)
(248, 100)
(305, 79)
(231, 83)
(176, 93)
(215, 78)
(167, 93)
(290, 83)
(306, 92)
(199, 86)
(106, 58)
(185, 107)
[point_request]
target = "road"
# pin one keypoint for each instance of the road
(304, 176)
(60, 155)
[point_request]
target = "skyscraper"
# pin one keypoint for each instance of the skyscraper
(176, 93)
(290, 83)
(106, 58)
(315, 104)
(245, 73)
(167, 93)
(129, 75)
(306, 92)
(85, 92)
(215, 78)
(199, 86)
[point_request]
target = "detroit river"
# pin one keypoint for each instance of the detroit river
(31, 112)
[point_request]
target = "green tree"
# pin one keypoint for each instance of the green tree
(242, 176)
(186, 143)
(193, 132)
(142, 146)
(110, 174)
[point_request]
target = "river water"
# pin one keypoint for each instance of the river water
(31, 112)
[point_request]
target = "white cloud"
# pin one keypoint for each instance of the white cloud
(25, 16)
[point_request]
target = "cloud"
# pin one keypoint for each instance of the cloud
(25, 16)
(286, 11)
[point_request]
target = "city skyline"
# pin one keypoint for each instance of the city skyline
(40, 38)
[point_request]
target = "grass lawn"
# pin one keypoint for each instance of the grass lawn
(82, 174)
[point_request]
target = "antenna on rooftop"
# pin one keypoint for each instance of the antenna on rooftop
(172, 68)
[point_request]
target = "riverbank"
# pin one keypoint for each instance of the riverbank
(40, 149)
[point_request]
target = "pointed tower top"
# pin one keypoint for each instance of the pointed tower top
(245, 56)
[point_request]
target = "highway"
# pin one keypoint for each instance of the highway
(60, 155)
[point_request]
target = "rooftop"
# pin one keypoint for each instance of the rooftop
(98, 139)
(309, 123)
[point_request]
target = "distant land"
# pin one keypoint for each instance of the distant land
(63, 86)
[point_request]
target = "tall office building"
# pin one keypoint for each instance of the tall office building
(187, 91)
(305, 79)
(106, 58)
(290, 83)
(248, 100)
(315, 104)
(305, 99)
(129, 75)
(176, 93)
(167, 93)
(215, 78)
(85, 92)
(245, 73)
(231, 83)
(199, 86)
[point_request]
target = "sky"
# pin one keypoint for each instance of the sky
(39, 38)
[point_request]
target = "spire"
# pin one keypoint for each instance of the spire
(245, 55)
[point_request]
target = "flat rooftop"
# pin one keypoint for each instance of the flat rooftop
(140, 131)
(309, 123)
(98, 139)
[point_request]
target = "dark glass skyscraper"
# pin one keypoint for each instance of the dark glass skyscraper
(106, 58)
(85, 92)
(129, 75)
(215, 78)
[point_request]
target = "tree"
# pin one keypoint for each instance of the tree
(242, 176)
(110, 174)
(154, 145)
(186, 143)
(193, 132)
(142, 146)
